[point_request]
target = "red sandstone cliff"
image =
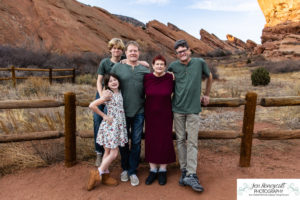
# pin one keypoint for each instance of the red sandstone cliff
(67, 26)
(281, 35)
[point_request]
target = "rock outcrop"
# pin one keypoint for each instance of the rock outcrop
(67, 26)
(166, 36)
(215, 42)
(278, 11)
(234, 41)
(250, 45)
(281, 35)
(173, 27)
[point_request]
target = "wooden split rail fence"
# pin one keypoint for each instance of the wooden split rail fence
(70, 133)
(50, 76)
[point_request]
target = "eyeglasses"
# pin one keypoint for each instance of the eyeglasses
(180, 52)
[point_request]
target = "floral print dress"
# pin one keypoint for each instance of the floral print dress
(114, 135)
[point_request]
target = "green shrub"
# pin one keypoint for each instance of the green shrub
(260, 76)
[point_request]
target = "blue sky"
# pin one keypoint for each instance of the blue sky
(240, 18)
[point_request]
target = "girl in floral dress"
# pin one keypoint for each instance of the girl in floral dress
(112, 132)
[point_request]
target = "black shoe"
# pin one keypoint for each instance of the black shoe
(192, 181)
(151, 178)
(162, 178)
(183, 174)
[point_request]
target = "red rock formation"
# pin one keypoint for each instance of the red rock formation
(67, 26)
(281, 35)
(236, 42)
(278, 11)
(173, 27)
(251, 45)
(215, 42)
(167, 36)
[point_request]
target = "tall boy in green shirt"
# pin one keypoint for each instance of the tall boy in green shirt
(186, 106)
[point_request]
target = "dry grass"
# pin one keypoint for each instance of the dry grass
(234, 81)
(16, 156)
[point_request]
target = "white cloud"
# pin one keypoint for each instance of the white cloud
(160, 2)
(225, 5)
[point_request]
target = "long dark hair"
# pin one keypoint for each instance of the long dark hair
(106, 80)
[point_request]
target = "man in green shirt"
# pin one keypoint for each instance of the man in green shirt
(186, 106)
(131, 76)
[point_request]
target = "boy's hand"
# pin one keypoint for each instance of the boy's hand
(205, 100)
(171, 74)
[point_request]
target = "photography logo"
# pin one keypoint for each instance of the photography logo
(268, 189)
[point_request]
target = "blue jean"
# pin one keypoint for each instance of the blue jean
(97, 121)
(130, 158)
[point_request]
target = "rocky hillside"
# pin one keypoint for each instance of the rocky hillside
(67, 26)
(281, 35)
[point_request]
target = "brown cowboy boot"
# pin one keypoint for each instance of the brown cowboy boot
(94, 179)
(108, 180)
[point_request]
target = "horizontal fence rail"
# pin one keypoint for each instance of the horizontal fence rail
(49, 70)
(70, 133)
(38, 103)
(280, 101)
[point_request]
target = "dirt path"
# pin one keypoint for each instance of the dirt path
(217, 169)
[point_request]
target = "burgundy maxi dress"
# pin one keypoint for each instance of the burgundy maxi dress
(159, 148)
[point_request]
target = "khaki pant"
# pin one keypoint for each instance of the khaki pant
(187, 148)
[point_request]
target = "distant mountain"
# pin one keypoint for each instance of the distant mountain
(130, 20)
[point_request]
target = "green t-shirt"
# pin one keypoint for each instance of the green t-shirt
(188, 79)
(132, 87)
(105, 66)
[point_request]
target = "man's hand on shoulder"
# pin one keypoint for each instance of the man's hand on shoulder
(171, 74)
(144, 63)
(106, 94)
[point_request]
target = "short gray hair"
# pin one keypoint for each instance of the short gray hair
(131, 42)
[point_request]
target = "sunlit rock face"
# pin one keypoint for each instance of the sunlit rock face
(278, 11)
(281, 36)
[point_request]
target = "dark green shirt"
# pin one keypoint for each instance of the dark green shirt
(132, 87)
(105, 66)
(188, 79)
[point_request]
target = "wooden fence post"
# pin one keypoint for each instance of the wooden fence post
(13, 76)
(50, 76)
(248, 126)
(70, 129)
(74, 75)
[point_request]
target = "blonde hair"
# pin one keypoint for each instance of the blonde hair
(117, 42)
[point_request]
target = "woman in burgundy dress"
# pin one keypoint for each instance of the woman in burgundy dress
(159, 149)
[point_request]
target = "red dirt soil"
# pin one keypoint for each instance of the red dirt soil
(218, 171)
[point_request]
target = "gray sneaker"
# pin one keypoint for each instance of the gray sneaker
(134, 180)
(124, 176)
(192, 181)
(98, 160)
(183, 174)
